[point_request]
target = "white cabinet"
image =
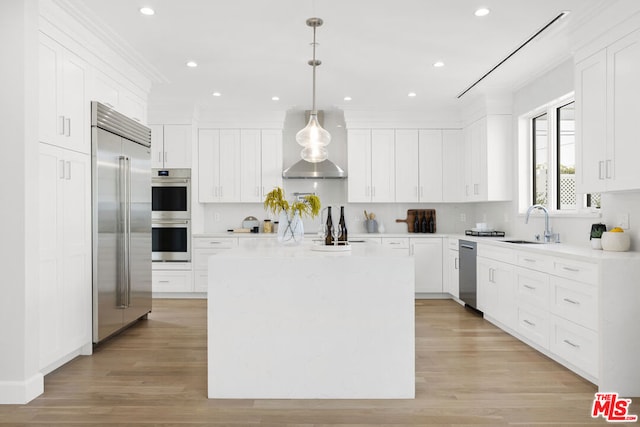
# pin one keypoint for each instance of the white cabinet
(109, 92)
(453, 177)
(427, 253)
(488, 158)
(452, 265)
(203, 248)
(418, 165)
(607, 90)
(238, 165)
(170, 146)
(65, 254)
(63, 104)
(371, 160)
(171, 281)
(496, 291)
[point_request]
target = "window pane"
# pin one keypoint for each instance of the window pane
(566, 157)
(540, 160)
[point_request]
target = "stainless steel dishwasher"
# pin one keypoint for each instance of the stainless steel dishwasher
(468, 290)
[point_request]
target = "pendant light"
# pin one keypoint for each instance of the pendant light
(313, 137)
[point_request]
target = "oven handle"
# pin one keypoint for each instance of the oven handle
(170, 221)
(160, 182)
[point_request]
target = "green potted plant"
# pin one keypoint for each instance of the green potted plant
(290, 230)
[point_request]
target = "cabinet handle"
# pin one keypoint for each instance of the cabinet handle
(491, 275)
(221, 191)
(571, 344)
(165, 157)
(163, 281)
(68, 123)
(68, 171)
(215, 243)
(574, 270)
(600, 167)
(455, 263)
(61, 169)
(533, 288)
(394, 243)
(476, 190)
(159, 157)
(570, 301)
(608, 169)
(60, 125)
(529, 323)
(529, 260)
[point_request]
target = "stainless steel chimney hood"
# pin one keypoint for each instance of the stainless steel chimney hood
(321, 170)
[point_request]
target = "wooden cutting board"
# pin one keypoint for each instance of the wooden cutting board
(411, 218)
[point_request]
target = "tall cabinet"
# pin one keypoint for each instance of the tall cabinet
(65, 254)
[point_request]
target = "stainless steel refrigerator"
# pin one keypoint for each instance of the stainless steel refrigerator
(121, 198)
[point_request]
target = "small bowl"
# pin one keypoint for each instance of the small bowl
(617, 242)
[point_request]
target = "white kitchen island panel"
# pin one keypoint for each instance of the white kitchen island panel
(289, 322)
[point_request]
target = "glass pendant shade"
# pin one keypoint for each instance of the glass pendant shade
(314, 154)
(314, 138)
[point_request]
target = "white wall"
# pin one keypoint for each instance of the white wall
(20, 379)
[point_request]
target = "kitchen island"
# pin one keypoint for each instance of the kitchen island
(291, 322)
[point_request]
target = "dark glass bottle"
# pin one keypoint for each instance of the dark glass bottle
(328, 240)
(432, 224)
(343, 227)
(416, 223)
(424, 226)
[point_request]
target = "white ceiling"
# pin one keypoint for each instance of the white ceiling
(375, 51)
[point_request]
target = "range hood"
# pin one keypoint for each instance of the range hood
(321, 170)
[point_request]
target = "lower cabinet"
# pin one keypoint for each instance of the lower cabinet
(203, 248)
(496, 290)
(452, 282)
(169, 278)
(427, 253)
(64, 294)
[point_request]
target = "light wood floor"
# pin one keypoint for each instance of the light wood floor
(155, 373)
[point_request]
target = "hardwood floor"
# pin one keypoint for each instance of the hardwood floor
(155, 373)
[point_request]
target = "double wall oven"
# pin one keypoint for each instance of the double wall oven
(171, 215)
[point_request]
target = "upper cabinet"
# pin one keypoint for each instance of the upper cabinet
(371, 163)
(453, 177)
(488, 159)
(170, 146)
(109, 92)
(607, 90)
(418, 165)
(238, 165)
(63, 107)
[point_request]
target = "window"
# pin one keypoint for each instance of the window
(553, 154)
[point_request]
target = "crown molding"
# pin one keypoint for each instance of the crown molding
(98, 28)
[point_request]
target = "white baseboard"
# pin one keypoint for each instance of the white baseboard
(21, 392)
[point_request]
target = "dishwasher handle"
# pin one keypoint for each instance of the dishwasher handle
(467, 247)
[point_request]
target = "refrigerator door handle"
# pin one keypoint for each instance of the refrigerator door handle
(122, 232)
(128, 234)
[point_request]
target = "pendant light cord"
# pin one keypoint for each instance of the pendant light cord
(313, 97)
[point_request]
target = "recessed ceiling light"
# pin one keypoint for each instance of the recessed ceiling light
(275, 98)
(347, 98)
(216, 94)
(411, 94)
(438, 64)
(192, 64)
(483, 11)
(147, 11)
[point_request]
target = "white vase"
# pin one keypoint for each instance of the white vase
(290, 229)
(596, 243)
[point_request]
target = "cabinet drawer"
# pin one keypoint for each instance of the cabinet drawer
(574, 301)
(535, 261)
(201, 257)
(213, 243)
(200, 281)
(533, 324)
(576, 270)
(532, 288)
(171, 281)
(453, 243)
(396, 243)
(494, 252)
(372, 240)
(574, 343)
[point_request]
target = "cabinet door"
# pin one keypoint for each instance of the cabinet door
(135, 108)
(75, 105)
(229, 165)
(430, 159)
(453, 269)
(250, 166)
(452, 166)
(591, 116)
(407, 166)
(49, 59)
(208, 160)
(502, 277)
(427, 254)
(359, 163)
(105, 90)
(623, 63)
(487, 291)
(383, 166)
(157, 146)
(177, 146)
(271, 161)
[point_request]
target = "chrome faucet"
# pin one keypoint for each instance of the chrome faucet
(548, 235)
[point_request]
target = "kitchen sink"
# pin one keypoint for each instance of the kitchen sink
(521, 242)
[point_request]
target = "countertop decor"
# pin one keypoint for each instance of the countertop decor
(290, 230)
